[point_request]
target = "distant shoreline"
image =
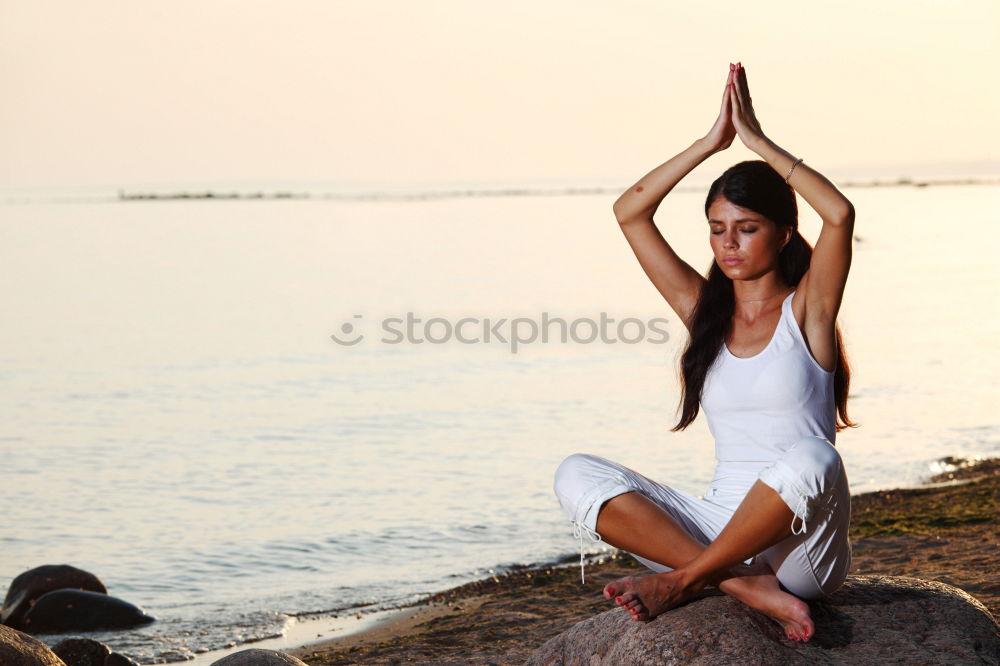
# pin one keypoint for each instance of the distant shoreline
(429, 193)
(495, 192)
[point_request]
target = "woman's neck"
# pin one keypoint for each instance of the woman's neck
(754, 297)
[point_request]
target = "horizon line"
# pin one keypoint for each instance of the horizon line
(429, 193)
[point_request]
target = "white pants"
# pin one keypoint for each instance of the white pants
(809, 477)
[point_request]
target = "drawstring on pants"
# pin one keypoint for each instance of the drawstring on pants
(578, 531)
(800, 510)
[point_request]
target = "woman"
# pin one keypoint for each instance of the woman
(766, 364)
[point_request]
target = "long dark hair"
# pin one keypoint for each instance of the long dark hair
(758, 187)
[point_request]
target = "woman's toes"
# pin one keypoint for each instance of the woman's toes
(615, 588)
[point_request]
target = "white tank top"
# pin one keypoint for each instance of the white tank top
(757, 407)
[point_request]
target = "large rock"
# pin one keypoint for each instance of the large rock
(257, 657)
(870, 620)
(30, 585)
(63, 611)
(18, 649)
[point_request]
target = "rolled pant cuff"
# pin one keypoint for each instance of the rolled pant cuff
(784, 480)
(590, 507)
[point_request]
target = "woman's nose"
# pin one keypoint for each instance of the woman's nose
(729, 241)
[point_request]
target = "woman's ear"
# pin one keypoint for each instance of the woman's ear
(788, 237)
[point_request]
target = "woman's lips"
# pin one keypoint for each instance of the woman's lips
(731, 261)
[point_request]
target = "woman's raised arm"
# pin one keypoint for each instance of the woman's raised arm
(675, 279)
(823, 284)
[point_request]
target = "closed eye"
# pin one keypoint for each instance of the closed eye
(745, 231)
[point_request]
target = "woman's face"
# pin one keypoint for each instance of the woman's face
(746, 244)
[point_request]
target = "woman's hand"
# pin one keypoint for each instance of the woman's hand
(723, 132)
(743, 117)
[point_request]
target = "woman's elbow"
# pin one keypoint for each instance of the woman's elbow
(619, 209)
(626, 214)
(848, 212)
(842, 215)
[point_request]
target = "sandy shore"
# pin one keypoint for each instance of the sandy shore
(946, 532)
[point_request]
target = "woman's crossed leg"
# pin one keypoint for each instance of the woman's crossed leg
(697, 542)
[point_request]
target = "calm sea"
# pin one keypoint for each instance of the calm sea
(177, 419)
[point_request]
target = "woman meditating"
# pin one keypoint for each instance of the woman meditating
(766, 364)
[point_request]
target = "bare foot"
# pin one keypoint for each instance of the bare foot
(762, 591)
(645, 597)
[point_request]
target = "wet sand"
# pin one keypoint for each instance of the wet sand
(948, 532)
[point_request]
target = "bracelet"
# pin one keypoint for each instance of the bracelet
(794, 164)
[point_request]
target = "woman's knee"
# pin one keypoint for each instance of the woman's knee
(575, 474)
(568, 471)
(807, 476)
(577, 478)
(815, 457)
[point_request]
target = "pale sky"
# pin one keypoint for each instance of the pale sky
(127, 92)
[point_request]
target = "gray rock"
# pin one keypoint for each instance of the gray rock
(82, 652)
(63, 611)
(116, 659)
(258, 657)
(19, 649)
(870, 620)
(31, 585)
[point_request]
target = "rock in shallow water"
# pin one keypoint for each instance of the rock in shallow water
(20, 649)
(88, 652)
(31, 585)
(115, 659)
(82, 652)
(870, 620)
(257, 657)
(76, 610)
